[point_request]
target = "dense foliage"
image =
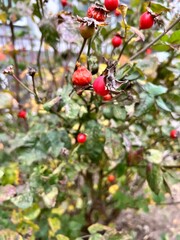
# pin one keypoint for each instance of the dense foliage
(71, 157)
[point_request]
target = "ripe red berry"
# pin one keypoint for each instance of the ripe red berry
(174, 133)
(116, 40)
(81, 77)
(22, 114)
(111, 5)
(64, 3)
(148, 51)
(99, 86)
(111, 178)
(81, 138)
(98, 13)
(107, 97)
(86, 31)
(146, 21)
(117, 12)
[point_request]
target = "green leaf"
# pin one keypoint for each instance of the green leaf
(155, 178)
(113, 145)
(57, 141)
(95, 141)
(154, 156)
(23, 201)
(97, 227)
(48, 105)
(96, 236)
(107, 111)
(161, 47)
(1, 173)
(175, 37)
(154, 90)
(146, 102)
(167, 186)
(121, 73)
(49, 32)
(119, 113)
(160, 102)
(30, 155)
(158, 7)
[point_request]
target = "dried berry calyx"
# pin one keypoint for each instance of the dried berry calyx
(82, 76)
(98, 12)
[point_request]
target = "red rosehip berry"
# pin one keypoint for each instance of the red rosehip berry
(22, 114)
(81, 138)
(99, 86)
(117, 12)
(116, 41)
(173, 133)
(64, 3)
(86, 31)
(111, 178)
(111, 5)
(81, 77)
(107, 97)
(148, 51)
(146, 21)
(98, 13)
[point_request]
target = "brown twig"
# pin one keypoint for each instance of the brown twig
(82, 47)
(22, 84)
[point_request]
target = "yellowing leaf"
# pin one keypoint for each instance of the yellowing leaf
(6, 100)
(16, 217)
(6, 192)
(8, 234)
(71, 208)
(102, 67)
(54, 224)
(61, 237)
(32, 212)
(113, 189)
(79, 203)
(123, 9)
(50, 198)
(61, 209)
(3, 17)
(11, 174)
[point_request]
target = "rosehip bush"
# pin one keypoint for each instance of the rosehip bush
(102, 132)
